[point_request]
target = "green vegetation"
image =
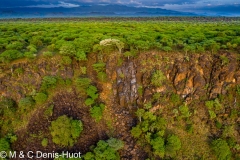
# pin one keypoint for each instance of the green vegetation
(82, 84)
(168, 89)
(40, 98)
(65, 131)
(158, 78)
(44, 142)
(100, 69)
(66, 40)
(151, 132)
(97, 112)
(92, 95)
(26, 104)
(221, 149)
(9, 55)
(48, 82)
(105, 150)
(4, 145)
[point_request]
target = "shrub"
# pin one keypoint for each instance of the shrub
(97, 111)
(32, 49)
(84, 70)
(184, 111)
(47, 54)
(65, 131)
(8, 104)
(48, 82)
(81, 56)
(89, 101)
(67, 49)
(105, 150)
(221, 149)
(99, 67)
(212, 114)
(10, 55)
(82, 84)
(209, 104)
(102, 76)
(29, 55)
(158, 146)
(218, 124)
(173, 145)
(26, 104)
(91, 91)
(213, 105)
(140, 113)
(40, 98)
(11, 137)
(49, 111)
(158, 78)
(4, 145)
(44, 142)
(18, 71)
(66, 60)
(175, 99)
(224, 59)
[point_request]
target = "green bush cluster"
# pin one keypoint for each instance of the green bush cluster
(184, 110)
(48, 82)
(31, 51)
(40, 98)
(97, 112)
(213, 107)
(26, 104)
(5, 145)
(82, 84)
(73, 39)
(100, 69)
(5, 142)
(105, 150)
(47, 54)
(66, 60)
(69, 49)
(92, 95)
(158, 78)
(44, 142)
(65, 131)
(221, 149)
(10, 55)
(150, 131)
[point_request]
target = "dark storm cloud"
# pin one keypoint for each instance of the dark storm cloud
(194, 6)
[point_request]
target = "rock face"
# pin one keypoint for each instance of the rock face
(191, 77)
(129, 85)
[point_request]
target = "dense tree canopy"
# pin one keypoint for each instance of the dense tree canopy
(78, 39)
(65, 130)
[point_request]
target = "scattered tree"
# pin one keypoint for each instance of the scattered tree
(65, 130)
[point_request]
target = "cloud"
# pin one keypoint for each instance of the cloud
(68, 5)
(188, 7)
(60, 4)
(196, 6)
(38, 3)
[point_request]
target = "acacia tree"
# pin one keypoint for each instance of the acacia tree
(65, 130)
(105, 150)
(110, 42)
(68, 49)
(221, 149)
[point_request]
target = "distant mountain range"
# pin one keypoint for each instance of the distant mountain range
(88, 11)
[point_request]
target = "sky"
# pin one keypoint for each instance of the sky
(177, 5)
